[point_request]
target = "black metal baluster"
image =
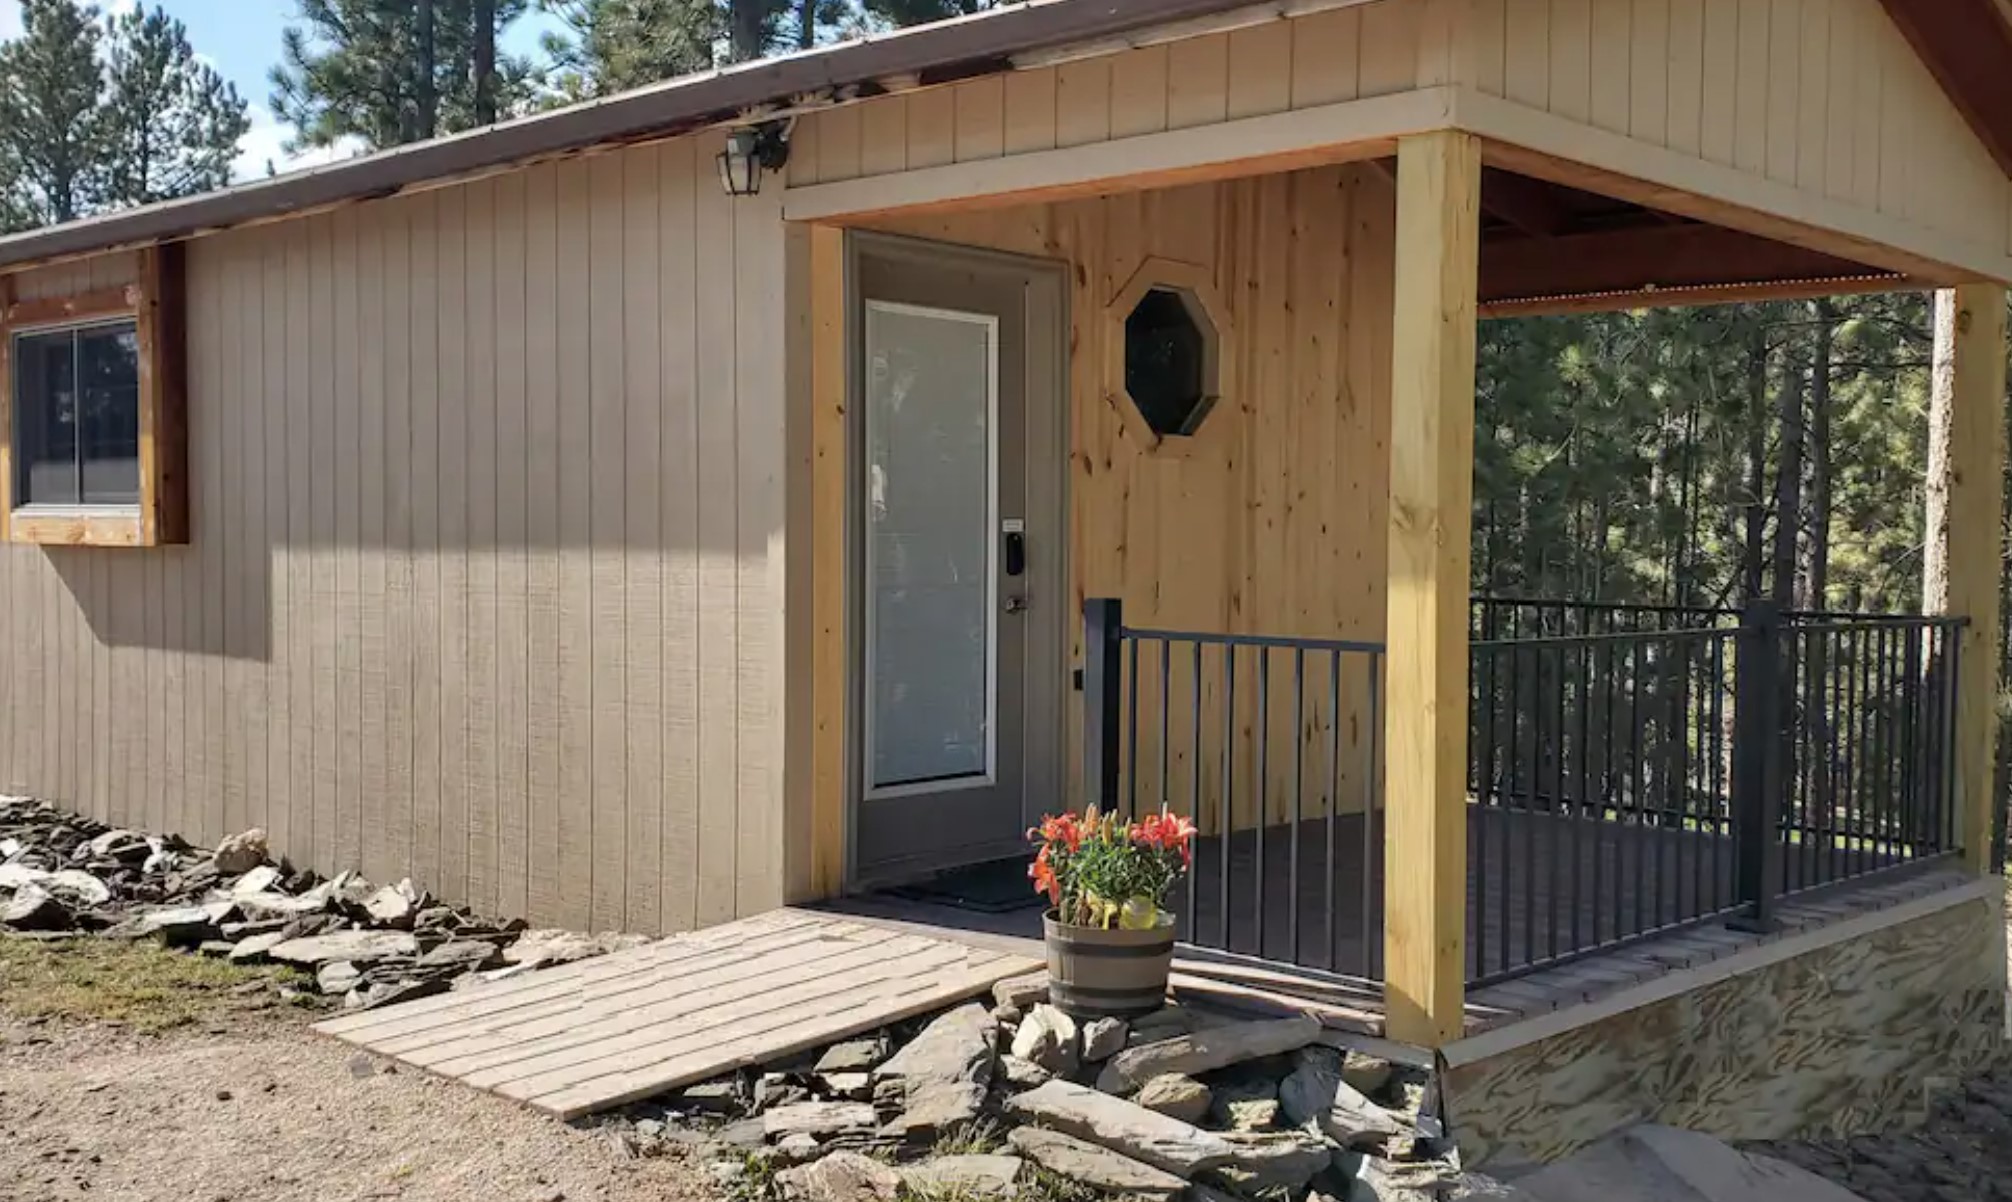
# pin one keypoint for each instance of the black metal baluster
(1848, 846)
(1262, 827)
(1642, 832)
(1482, 667)
(1910, 747)
(1333, 806)
(1507, 812)
(1298, 750)
(1195, 764)
(1166, 798)
(1531, 866)
(1132, 729)
(1578, 808)
(1834, 670)
(1721, 830)
(1554, 834)
(1228, 804)
(1372, 845)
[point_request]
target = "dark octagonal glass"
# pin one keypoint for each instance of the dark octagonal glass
(1166, 362)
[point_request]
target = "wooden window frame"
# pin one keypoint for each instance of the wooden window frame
(154, 303)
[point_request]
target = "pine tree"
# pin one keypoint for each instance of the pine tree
(50, 127)
(903, 13)
(611, 46)
(386, 72)
(170, 124)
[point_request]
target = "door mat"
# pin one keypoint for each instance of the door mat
(999, 887)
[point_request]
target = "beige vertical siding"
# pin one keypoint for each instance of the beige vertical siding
(1824, 96)
(485, 583)
(1323, 58)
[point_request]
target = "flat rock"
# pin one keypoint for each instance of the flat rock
(358, 947)
(1023, 991)
(13, 876)
(1663, 1164)
(272, 904)
(1316, 1093)
(564, 947)
(1020, 1074)
(34, 908)
(1246, 1105)
(1049, 1038)
(818, 1118)
(853, 1056)
(461, 955)
(1205, 1050)
(839, 1177)
(337, 977)
(1104, 1038)
(78, 889)
(852, 1087)
(262, 879)
(1131, 1130)
(935, 1106)
(180, 926)
(1175, 1095)
(955, 1046)
(253, 949)
(1284, 1160)
(1367, 1074)
(991, 1175)
(1094, 1166)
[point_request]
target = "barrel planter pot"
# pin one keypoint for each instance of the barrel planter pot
(1098, 973)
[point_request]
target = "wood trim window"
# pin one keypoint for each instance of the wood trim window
(92, 412)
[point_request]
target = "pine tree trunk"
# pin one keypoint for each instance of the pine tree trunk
(744, 28)
(806, 24)
(429, 93)
(1788, 483)
(1816, 571)
(485, 62)
(1754, 555)
(1941, 395)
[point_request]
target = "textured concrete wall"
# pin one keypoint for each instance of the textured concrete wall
(1843, 1038)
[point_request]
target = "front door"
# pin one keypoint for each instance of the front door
(957, 420)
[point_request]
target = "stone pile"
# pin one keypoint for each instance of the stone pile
(1002, 1100)
(63, 876)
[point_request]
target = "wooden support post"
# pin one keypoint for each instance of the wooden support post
(1975, 551)
(1431, 498)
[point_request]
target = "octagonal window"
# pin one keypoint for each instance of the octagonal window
(1170, 361)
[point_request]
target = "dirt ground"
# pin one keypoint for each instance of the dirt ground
(242, 1101)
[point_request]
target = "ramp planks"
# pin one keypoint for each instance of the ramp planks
(599, 1033)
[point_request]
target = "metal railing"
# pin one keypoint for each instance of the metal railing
(1269, 745)
(1628, 775)
(1625, 784)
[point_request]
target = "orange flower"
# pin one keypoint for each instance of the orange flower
(1043, 874)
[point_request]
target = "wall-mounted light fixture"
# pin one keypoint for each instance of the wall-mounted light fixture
(750, 151)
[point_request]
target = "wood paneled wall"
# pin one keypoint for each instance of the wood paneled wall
(1272, 522)
(1824, 96)
(487, 491)
(1323, 58)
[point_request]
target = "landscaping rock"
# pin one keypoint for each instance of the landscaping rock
(1021, 992)
(818, 1118)
(77, 889)
(1131, 1130)
(973, 1176)
(1286, 1160)
(840, 1177)
(337, 977)
(1048, 1038)
(797, 1148)
(1204, 1050)
(358, 947)
(1176, 1096)
(1094, 1166)
(1103, 1038)
(853, 1087)
(177, 926)
(464, 955)
(393, 906)
(1250, 1105)
(711, 1097)
(936, 1106)
(1316, 1093)
(240, 853)
(854, 1055)
(1020, 1074)
(1367, 1074)
(956, 1046)
(263, 879)
(564, 947)
(34, 908)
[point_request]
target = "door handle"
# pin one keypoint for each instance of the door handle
(1016, 605)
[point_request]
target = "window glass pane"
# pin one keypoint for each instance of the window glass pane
(45, 418)
(929, 544)
(109, 358)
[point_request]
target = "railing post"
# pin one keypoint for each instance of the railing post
(1760, 721)
(1103, 635)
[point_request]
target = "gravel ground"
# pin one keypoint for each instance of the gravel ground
(1963, 1153)
(263, 1109)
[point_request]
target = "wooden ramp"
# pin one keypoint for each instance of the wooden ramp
(596, 1034)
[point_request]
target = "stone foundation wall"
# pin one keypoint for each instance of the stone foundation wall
(1844, 1037)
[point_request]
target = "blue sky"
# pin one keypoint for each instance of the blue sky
(242, 39)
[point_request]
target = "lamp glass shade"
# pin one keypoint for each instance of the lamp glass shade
(740, 164)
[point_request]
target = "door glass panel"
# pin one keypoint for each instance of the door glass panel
(931, 386)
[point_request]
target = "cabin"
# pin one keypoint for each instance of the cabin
(786, 483)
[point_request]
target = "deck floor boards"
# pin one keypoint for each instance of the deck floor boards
(585, 1037)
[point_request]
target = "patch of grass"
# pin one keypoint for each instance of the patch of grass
(757, 1180)
(140, 985)
(979, 1136)
(1041, 1185)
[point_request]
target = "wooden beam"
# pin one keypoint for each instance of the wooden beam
(1531, 205)
(1703, 294)
(1976, 551)
(106, 302)
(1649, 258)
(1967, 45)
(1430, 524)
(829, 462)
